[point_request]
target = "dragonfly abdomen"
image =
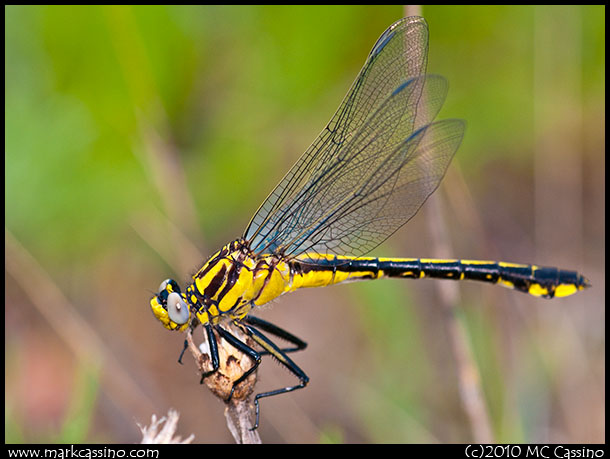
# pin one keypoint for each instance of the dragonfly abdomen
(536, 280)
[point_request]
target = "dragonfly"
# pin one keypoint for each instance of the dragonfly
(368, 172)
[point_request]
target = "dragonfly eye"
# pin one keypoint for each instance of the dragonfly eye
(169, 285)
(163, 285)
(177, 309)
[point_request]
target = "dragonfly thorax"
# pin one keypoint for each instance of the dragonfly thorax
(234, 280)
(228, 285)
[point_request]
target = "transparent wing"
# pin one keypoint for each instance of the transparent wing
(350, 195)
(399, 55)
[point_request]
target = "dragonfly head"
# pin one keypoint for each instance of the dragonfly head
(170, 306)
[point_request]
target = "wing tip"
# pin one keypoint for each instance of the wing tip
(392, 30)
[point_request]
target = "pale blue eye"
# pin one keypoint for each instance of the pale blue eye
(177, 309)
(163, 285)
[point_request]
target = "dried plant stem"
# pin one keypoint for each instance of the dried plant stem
(468, 375)
(240, 411)
(412, 10)
(469, 379)
(239, 415)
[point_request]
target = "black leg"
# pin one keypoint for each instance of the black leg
(242, 347)
(268, 348)
(281, 357)
(277, 331)
(192, 327)
(186, 345)
(213, 345)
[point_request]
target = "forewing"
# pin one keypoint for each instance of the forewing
(399, 55)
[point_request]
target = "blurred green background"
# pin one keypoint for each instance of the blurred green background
(138, 140)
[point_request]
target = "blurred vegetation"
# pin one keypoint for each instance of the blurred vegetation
(230, 96)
